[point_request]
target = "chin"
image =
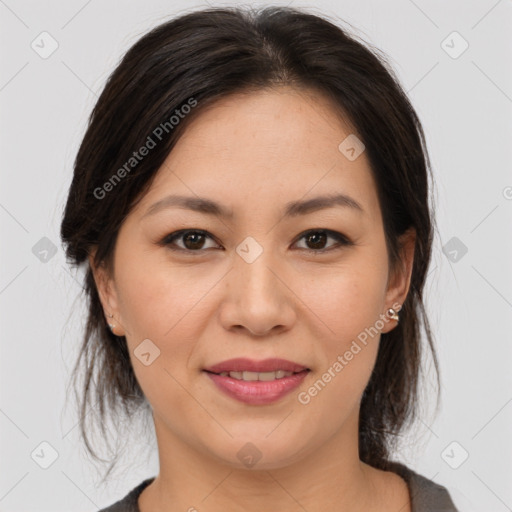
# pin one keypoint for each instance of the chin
(260, 452)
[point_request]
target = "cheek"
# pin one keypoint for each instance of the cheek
(159, 307)
(347, 303)
(151, 306)
(157, 300)
(346, 300)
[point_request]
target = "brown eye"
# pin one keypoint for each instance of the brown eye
(317, 239)
(192, 240)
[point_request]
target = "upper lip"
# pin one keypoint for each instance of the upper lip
(241, 364)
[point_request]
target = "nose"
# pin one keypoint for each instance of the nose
(258, 299)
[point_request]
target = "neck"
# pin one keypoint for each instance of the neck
(330, 477)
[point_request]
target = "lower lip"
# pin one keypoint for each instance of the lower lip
(258, 391)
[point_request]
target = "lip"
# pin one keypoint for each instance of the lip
(257, 392)
(241, 364)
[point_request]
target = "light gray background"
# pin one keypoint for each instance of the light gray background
(465, 105)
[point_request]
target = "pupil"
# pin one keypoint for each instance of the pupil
(316, 242)
(190, 236)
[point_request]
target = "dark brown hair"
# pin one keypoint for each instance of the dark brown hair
(200, 57)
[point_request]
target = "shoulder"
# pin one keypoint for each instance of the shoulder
(129, 502)
(426, 495)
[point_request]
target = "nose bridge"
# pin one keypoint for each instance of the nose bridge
(258, 299)
(253, 273)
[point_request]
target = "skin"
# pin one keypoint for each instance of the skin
(253, 153)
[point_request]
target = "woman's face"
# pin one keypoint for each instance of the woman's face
(254, 284)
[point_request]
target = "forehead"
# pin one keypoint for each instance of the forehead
(266, 147)
(289, 122)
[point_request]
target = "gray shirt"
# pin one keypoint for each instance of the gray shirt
(426, 495)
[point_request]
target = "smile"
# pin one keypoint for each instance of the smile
(252, 376)
(257, 388)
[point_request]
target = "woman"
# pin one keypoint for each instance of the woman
(251, 200)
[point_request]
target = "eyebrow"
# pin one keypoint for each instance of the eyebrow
(292, 209)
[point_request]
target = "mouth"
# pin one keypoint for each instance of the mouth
(242, 365)
(257, 382)
(258, 376)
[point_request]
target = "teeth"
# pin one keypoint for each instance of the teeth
(252, 376)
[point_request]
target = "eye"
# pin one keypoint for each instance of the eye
(318, 237)
(193, 240)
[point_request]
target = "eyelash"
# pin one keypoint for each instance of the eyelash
(342, 240)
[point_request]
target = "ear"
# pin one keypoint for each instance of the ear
(400, 279)
(108, 295)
